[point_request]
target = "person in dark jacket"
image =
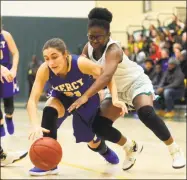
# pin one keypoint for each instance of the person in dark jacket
(149, 68)
(171, 87)
(158, 75)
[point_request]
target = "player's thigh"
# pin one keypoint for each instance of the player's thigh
(108, 110)
(57, 104)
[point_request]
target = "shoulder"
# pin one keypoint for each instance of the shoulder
(43, 69)
(114, 49)
(6, 34)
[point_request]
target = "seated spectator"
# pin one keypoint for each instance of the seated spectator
(131, 42)
(138, 56)
(127, 52)
(183, 63)
(176, 46)
(149, 68)
(184, 41)
(157, 75)
(164, 59)
(154, 52)
(171, 88)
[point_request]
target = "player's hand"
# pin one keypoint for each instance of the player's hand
(101, 94)
(37, 132)
(13, 72)
(5, 73)
(79, 102)
(121, 104)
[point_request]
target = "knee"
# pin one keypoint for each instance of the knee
(167, 93)
(100, 125)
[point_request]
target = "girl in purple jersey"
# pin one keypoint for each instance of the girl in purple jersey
(7, 158)
(70, 76)
(8, 89)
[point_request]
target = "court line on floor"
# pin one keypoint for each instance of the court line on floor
(89, 169)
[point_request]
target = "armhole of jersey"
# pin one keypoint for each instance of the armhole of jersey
(114, 42)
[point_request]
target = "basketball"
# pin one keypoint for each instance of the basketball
(45, 153)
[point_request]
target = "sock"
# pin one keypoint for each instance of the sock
(172, 146)
(128, 143)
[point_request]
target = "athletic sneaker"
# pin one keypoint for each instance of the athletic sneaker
(2, 129)
(38, 172)
(10, 125)
(131, 153)
(178, 158)
(11, 157)
(110, 156)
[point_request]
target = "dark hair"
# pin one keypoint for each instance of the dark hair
(101, 17)
(149, 60)
(56, 43)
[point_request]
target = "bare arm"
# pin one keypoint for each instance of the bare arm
(113, 58)
(38, 86)
(13, 49)
(88, 67)
(85, 51)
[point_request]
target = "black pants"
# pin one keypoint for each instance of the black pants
(8, 102)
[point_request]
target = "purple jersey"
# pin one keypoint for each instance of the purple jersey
(70, 88)
(5, 56)
(6, 89)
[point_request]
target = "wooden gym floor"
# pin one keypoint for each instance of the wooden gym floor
(79, 162)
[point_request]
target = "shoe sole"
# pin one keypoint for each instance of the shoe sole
(178, 167)
(54, 172)
(20, 158)
(134, 161)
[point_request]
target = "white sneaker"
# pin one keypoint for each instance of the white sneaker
(12, 157)
(178, 158)
(131, 153)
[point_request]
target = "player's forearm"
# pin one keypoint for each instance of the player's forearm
(15, 61)
(32, 112)
(99, 84)
(113, 90)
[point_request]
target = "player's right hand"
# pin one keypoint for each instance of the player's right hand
(5, 73)
(37, 132)
(121, 104)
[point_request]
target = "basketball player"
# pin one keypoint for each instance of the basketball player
(134, 87)
(70, 77)
(7, 158)
(8, 89)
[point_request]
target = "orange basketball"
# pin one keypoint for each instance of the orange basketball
(45, 153)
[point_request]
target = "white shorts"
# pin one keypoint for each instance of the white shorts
(142, 85)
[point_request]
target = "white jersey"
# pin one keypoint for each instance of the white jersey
(127, 71)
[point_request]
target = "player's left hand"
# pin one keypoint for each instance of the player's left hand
(79, 102)
(13, 72)
(121, 104)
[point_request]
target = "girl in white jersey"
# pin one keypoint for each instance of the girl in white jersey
(134, 87)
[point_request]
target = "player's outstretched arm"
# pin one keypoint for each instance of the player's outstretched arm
(41, 78)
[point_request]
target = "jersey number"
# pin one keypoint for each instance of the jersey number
(70, 94)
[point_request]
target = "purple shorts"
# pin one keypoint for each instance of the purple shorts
(8, 89)
(82, 117)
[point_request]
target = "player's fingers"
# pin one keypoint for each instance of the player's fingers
(2, 79)
(45, 130)
(72, 107)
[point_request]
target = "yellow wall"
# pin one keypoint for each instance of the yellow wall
(131, 12)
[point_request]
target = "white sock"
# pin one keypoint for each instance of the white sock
(128, 143)
(172, 146)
